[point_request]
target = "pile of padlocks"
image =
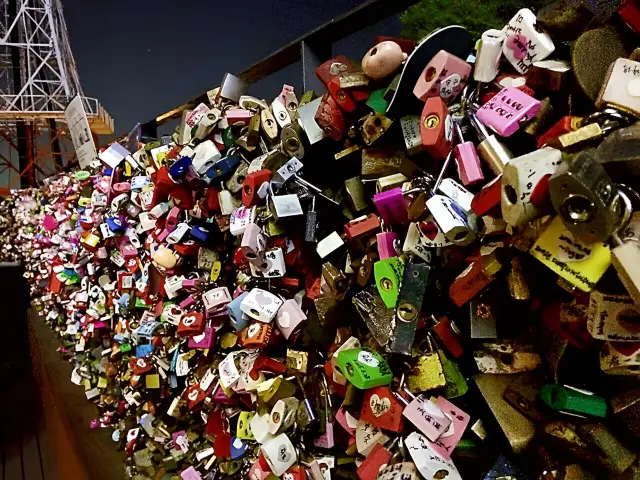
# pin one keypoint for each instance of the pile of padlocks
(249, 298)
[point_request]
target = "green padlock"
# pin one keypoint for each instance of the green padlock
(377, 102)
(456, 384)
(364, 368)
(228, 137)
(574, 401)
(388, 274)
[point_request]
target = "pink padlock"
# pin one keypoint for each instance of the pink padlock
(426, 416)
(506, 111)
(216, 298)
(127, 250)
(203, 341)
(122, 187)
(253, 244)
(447, 442)
(238, 116)
(289, 316)
(445, 76)
(467, 160)
(387, 244)
(392, 206)
(187, 302)
(172, 219)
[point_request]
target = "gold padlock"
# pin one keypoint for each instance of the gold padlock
(428, 373)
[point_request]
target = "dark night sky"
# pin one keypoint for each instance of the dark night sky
(140, 57)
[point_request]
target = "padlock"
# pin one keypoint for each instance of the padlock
(311, 223)
(425, 415)
(505, 112)
(279, 453)
(191, 324)
(364, 368)
(216, 299)
(362, 226)
(289, 318)
(521, 178)
(462, 197)
(613, 317)
(415, 279)
(272, 266)
(580, 264)
(524, 43)
(261, 305)
(330, 118)
(620, 358)
(410, 126)
(224, 167)
(574, 401)
(252, 184)
(293, 140)
(585, 198)
(451, 219)
(621, 88)
(253, 244)
(436, 128)
(382, 409)
(565, 125)
(388, 243)
(367, 437)
(467, 160)
(283, 415)
(444, 76)
(373, 126)
(612, 454)
(388, 274)
(487, 65)
(448, 334)
(506, 358)
(356, 194)
(624, 407)
(494, 154)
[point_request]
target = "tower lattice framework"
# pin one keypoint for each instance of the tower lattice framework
(38, 79)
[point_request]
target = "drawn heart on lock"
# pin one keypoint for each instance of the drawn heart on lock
(283, 454)
(193, 395)
(518, 43)
(429, 229)
(199, 338)
(368, 359)
(285, 320)
(262, 299)
(379, 406)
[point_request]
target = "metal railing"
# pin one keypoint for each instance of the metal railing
(311, 49)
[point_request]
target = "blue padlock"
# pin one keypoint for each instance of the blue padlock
(180, 167)
(115, 225)
(223, 167)
(236, 317)
(200, 233)
(143, 350)
(238, 448)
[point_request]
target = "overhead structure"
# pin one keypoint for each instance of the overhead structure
(38, 79)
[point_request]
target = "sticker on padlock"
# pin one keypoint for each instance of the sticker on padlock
(261, 305)
(279, 453)
(524, 43)
(364, 368)
(445, 76)
(580, 264)
(613, 317)
(451, 219)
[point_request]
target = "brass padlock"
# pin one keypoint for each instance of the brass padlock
(428, 373)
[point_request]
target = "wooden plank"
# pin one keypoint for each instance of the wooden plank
(32, 461)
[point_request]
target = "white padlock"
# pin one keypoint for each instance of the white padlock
(272, 265)
(487, 64)
(622, 87)
(216, 299)
(253, 244)
(457, 193)
(524, 44)
(279, 453)
(206, 154)
(519, 179)
(261, 305)
(451, 219)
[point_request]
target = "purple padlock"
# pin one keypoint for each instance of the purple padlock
(387, 244)
(506, 111)
(392, 206)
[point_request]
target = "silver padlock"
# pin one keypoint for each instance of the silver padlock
(585, 198)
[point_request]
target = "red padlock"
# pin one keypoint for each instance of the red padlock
(330, 118)
(468, 284)
(188, 248)
(436, 128)
(359, 227)
(629, 11)
(140, 365)
(488, 198)
(333, 68)
(565, 125)
(191, 324)
(341, 97)
(444, 330)
(251, 185)
(370, 466)
(382, 409)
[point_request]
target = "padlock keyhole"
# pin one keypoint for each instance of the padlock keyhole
(440, 474)
(511, 194)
